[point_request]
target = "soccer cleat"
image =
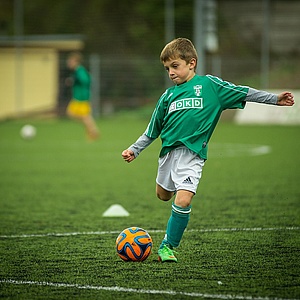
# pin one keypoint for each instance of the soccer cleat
(166, 254)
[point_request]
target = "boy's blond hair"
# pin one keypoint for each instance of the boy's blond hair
(76, 55)
(179, 48)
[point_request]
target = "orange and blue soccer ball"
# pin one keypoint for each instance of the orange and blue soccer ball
(134, 244)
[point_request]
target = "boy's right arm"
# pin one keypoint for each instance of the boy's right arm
(145, 140)
(135, 149)
(128, 155)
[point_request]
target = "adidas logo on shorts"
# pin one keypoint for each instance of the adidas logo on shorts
(188, 180)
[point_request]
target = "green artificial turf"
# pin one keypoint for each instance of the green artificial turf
(242, 241)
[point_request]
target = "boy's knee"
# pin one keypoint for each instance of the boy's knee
(183, 198)
(163, 194)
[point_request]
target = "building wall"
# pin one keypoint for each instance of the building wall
(28, 81)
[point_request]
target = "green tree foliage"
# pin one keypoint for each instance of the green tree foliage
(109, 27)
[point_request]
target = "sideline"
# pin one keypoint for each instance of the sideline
(138, 291)
(64, 234)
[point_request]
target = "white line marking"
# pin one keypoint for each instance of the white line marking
(150, 231)
(233, 150)
(138, 291)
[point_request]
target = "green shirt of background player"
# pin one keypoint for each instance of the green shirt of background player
(82, 82)
(185, 117)
(79, 107)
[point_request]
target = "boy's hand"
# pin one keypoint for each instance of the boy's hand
(128, 155)
(69, 81)
(285, 99)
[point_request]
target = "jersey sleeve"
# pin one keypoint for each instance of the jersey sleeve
(142, 142)
(82, 76)
(229, 95)
(261, 97)
(156, 122)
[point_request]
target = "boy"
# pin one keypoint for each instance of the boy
(184, 118)
(79, 107)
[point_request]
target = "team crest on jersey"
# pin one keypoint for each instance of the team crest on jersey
(198, 90)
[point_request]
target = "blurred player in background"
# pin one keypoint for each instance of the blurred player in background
(185, 118)
(79, 107)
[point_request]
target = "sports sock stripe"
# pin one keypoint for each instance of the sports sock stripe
(181, 210)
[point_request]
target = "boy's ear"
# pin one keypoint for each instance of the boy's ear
(193, 63)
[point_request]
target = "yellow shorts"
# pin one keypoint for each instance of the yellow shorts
(79, 108)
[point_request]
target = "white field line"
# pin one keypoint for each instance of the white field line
(150, 231)
(137, 291)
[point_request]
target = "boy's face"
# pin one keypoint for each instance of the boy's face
(72, 63)
(179, 71)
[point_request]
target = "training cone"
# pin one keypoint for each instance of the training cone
(116, 210)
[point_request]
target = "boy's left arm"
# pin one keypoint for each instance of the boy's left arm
(283, 99)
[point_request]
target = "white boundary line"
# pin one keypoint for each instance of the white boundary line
(150, 231)
(233, 150)
(138, 291)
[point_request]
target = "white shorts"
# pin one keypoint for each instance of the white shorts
(180, 169)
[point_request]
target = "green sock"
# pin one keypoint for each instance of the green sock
(176, 225)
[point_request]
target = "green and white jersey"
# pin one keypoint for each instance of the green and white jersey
(187, 114)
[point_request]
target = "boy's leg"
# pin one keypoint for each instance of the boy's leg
(179, 219)
(180, 170)
(91, 127)
(163, 194)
